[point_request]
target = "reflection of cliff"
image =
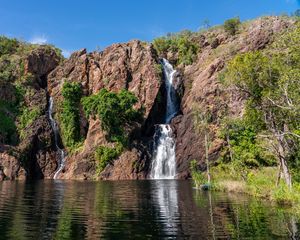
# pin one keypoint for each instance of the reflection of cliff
(134, 210)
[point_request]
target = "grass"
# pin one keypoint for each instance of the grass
(260, 183)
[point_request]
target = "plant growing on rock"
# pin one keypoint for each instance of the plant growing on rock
(231, 26)
(106, 155)
(70, 114)
(180, 44)
(115, 110)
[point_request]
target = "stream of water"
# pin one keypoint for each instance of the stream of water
(60, 151)
(164, 161)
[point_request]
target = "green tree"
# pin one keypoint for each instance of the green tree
(270, 80)
(7, 45)
(180, 43)
(115, 110)
(231, 26)
(70, 114)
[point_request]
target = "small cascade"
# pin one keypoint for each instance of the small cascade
(61, 152)
(164, 162)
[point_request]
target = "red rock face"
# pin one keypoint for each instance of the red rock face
(131, 66)
(10, 167)
(203, 90)
(134, 66)
(34, 155)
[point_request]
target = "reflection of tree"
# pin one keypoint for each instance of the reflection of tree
(64, 225)
(241, 217)
(204, 200)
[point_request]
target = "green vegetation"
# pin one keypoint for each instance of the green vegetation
(7, 125)
(202, 120)
(180, 44)
(106, 155)
(27, 117)
(69, 116)
(231, 26)
(8, 46)
(16, 89)
(115, 110)
(198, 176)
(268, 133)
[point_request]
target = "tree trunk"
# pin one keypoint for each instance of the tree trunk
(206, 157)
(278, 175)
(283, 163)
(229, 146)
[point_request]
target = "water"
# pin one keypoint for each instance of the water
(153, 209)
(164, 162)
(61, 152)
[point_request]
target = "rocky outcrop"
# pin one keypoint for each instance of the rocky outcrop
(203, 90)
(10, 166)
(34, 154)
(132, 66)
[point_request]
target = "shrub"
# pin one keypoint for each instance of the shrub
(7, 70)
(105, 155)
(231, 26)
(296, 13)
(27, 117)
(197, 176)
(181, 44)
(115, 110)
(7, 125)
(70, 114)
(8, 46)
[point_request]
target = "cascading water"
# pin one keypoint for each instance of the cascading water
(164, 162)
(61, 152)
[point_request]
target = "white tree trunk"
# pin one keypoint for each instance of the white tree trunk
(206, 157)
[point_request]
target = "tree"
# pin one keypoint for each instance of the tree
(201, 123)
(231, 26)
(296, 13)
(271, 84)
(115, 110)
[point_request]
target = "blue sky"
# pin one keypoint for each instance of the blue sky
(92, 24)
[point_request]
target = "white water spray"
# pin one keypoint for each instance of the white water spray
(164, 162)
(61, 152)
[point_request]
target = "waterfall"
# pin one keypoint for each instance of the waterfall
(164, 162)
(61, 152)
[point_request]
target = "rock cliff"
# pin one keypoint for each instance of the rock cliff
(133, 66)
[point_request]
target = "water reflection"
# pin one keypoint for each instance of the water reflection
(135, 210)
(165, 196)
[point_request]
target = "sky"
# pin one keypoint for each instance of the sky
(95, 24)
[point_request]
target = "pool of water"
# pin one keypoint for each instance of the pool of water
(168, 209)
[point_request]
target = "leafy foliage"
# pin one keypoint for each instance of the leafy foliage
(70, 114)
(231, 26)
(7, 124)
(181, 44)
(270, 80)
(105, 155)
(115, 110)
(7, 45)
(27, 117)
(197, 176)
(243, 150)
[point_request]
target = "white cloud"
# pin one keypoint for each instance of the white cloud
(38, 40)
